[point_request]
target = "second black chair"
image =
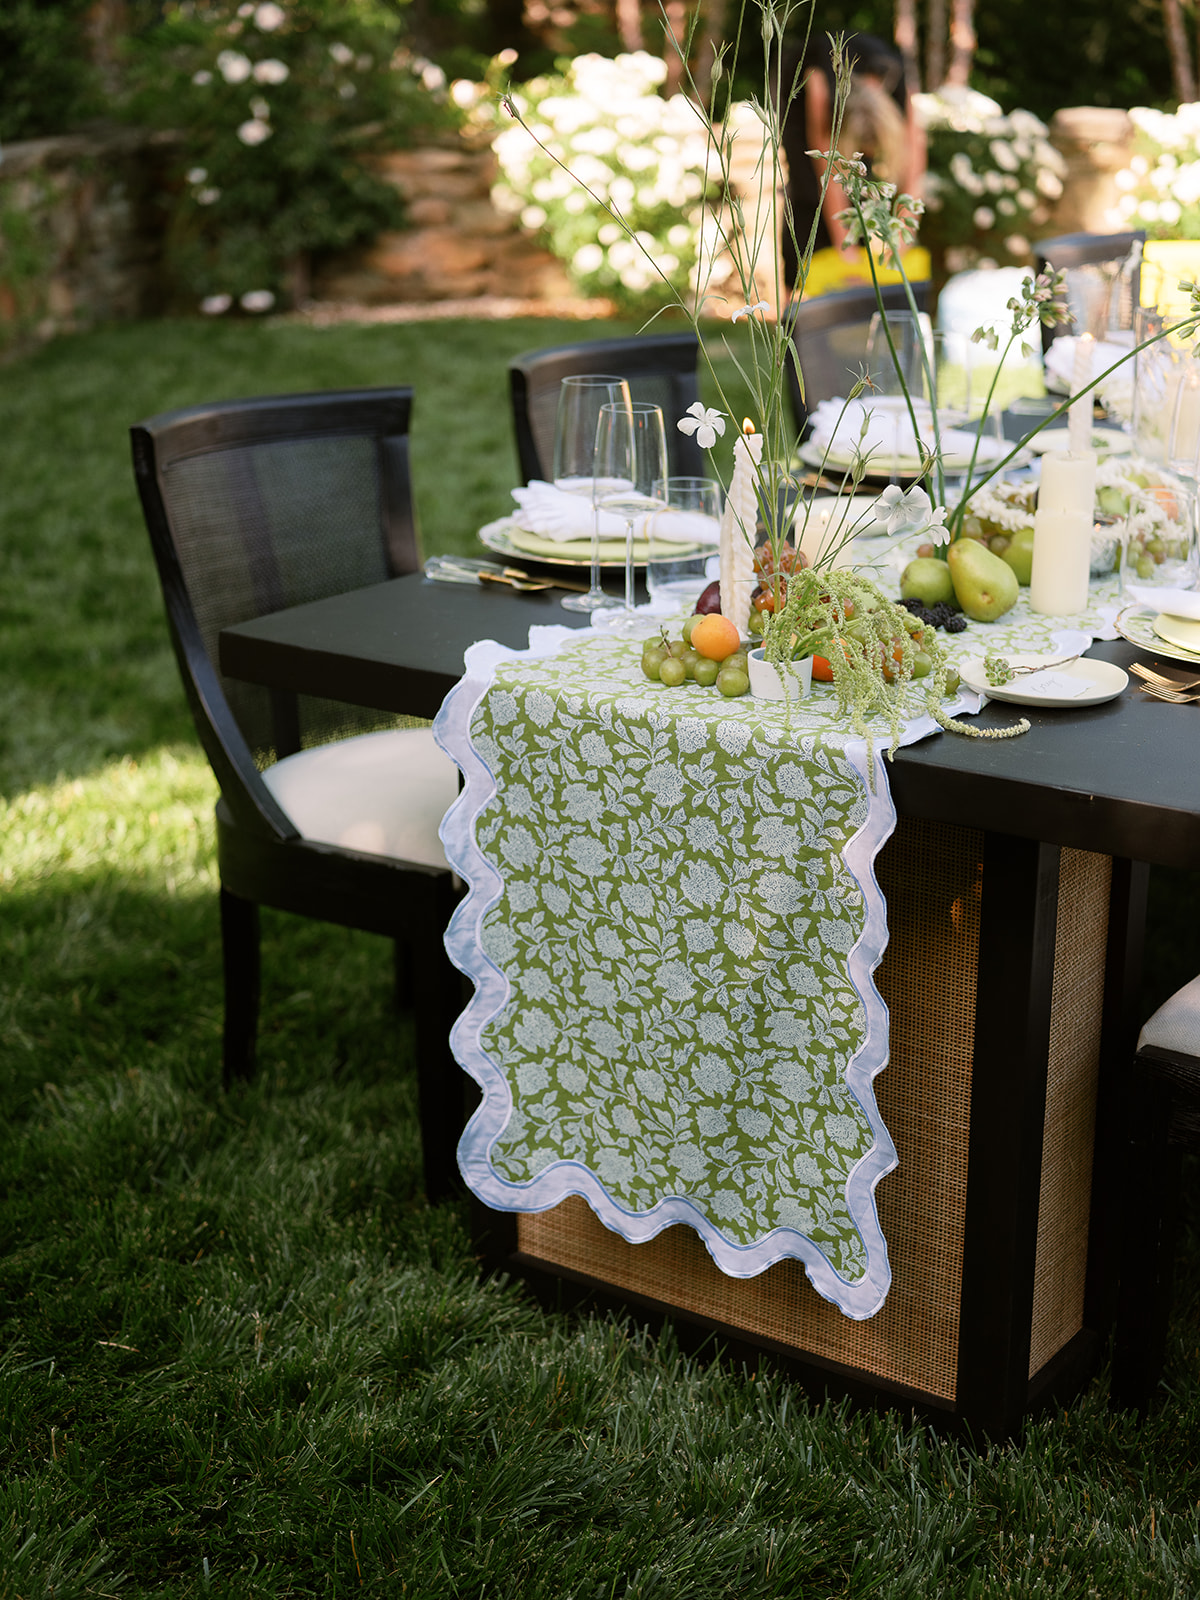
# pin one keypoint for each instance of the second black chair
(830, 335)
(660, 368)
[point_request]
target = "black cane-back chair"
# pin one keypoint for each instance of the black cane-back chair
(1110, 250)
(1163, 1121)
(254, 506)
(660, 369)
(830, 335)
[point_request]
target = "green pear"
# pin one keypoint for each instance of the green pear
(1019, 555)
(984, 585)
(928, 580)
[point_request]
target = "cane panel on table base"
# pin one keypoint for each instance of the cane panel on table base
(931, 875)
(1072, 1071)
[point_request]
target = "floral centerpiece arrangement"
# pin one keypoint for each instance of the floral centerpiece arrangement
(883, 662)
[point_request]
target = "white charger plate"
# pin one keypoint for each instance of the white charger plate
(1181, 631)
(1136, 624)
(1097, 682)
(506, 539)
(1105, 441)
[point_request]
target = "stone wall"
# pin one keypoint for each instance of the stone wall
(80, 235)
(458, 246)
(1095, 142)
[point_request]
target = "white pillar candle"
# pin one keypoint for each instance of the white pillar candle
(737, 529)
(1062, 527)
(1079, 420)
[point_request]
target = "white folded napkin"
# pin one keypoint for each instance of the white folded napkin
(549, 512)
(1175, 602)
(683, 527)
(888, 432)
(1060, 358)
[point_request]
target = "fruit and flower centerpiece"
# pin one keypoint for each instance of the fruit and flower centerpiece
(884, 658)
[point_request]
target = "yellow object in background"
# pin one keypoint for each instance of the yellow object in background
(832, 270)
(1164, 262)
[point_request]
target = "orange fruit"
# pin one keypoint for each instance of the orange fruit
(715, 637)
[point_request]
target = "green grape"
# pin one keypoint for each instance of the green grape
(677, 647)
(689, 659)
(706, 672)
(652, 660)
(672, 672)
(687, 629)
(733, 683)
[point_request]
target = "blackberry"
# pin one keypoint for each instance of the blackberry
(955, 624)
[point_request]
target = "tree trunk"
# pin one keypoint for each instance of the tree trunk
(1182, 75)
(935, 44)
(711, 33)
(629, 24)
(962, 42)
(674, 53)
(906, 43)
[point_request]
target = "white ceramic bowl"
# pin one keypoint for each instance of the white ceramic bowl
(767, 684)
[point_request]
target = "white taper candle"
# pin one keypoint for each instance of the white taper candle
(737, 530)
(1062, 527)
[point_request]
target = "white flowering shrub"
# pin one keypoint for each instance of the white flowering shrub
(992, 178)
(644, 155)
(1160, 188)
(276, 109)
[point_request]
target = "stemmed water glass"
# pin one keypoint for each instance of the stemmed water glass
(579, 401)
(631, 473)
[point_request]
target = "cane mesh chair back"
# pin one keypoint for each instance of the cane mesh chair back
(830, 336)
(660, 369)
(258, 505)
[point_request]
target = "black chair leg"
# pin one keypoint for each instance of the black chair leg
(441, 1083)
(241, 962)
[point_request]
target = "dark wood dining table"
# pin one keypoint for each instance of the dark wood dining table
(1115, 783)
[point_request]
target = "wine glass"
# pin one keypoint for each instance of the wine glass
(631, 475)
(579, 401)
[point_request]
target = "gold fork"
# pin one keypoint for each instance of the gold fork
(1160, 680)
(1173, 697)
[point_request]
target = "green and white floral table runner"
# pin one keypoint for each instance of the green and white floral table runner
(672, 927)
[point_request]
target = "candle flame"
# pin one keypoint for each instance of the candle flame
(748, 426)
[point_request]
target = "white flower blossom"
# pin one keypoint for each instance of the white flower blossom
(341, 53)
(233, 66)
(257, 300)
(749, 311)
(271, 71)
(254, 131)
(197, 174)
(268, 16)
(260, 109)
(907, 513)
(202, 78)
(704, 422)
(214, 305)
(983, 218)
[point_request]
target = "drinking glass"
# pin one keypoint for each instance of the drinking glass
(1161, 555)
(1183, 436)
(682, 537)
(912, 343)
(579, 402)
(631, 473)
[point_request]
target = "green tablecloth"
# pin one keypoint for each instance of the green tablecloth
(672, 929)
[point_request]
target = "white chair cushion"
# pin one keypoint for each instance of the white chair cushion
(1176, 1023)
(381, 793)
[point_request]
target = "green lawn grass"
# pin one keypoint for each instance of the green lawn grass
(240, 1354)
